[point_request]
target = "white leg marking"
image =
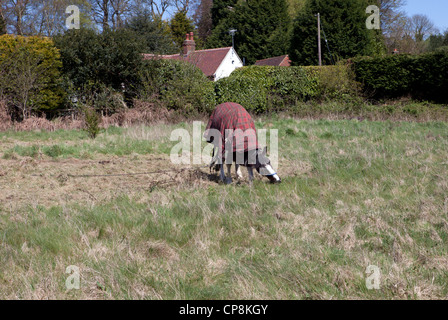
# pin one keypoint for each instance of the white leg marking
(238, 171)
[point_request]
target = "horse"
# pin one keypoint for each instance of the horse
(232, 132)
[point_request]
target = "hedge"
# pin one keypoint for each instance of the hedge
(268, 88)
(262, 88)
(419, 76)
(177, 85)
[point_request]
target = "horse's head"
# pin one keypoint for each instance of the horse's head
(266, 169)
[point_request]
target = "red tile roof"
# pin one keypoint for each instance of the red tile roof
(207, 60)
(275, 61)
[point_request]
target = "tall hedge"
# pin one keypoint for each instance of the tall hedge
(266, 88)
(419, 76)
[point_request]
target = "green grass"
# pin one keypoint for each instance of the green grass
(376, 195)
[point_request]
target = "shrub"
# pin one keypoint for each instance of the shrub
(419, 76)
(334, 82)
(30, 74)
(110, 59)
(5, 118)
(178, 85)
(266, 88)
(92, 121)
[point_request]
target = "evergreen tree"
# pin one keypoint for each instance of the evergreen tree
(263, 29)
(344, 24)
(180, 25)
(221, 9)
(154, 33)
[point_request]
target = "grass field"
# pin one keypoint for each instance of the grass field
(354, 194)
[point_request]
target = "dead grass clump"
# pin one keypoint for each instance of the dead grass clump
(5, 118)
(34, 123)
(68, 123)
(142, 113)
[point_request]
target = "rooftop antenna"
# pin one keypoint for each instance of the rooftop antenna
(232, 33)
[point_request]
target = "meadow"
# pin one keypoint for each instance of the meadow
(354, 194)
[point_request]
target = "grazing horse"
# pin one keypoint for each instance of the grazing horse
(232, 132)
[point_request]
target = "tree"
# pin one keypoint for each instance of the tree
(180, 25)
(2, 24)
(110, 59)
(30, 73)
(262, 29)
(344, 24)
(422, 27)
(390, 12)
(295, 6)
(16, 13)
(203, 19)
(410, 35)
(437, 41)
(154, 33)
(221, 9)
(184, 5)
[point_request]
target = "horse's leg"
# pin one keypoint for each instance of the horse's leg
(238, 171)
(229, 174)
(222, 175)
(250, 172)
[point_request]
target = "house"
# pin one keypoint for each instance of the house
(282, 61)
(215, 63)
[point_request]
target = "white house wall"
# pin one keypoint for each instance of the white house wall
(231, 62)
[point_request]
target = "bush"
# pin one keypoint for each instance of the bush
(266, 88)
(419, 76)
(92, 121)
(178, 85)
(110, 59)
(334, 82)
(30, 77)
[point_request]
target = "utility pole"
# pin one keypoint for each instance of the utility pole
(319, 49)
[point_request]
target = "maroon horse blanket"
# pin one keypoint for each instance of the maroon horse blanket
(230, 115)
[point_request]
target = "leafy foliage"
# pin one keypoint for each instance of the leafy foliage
(422, 76)
(266, 89)
(263, 29)
(344, 25)
(178, 85)
(30, 73)
(181, 25)
(112, 58)
(221, 10)
(153, 33)
(92, 121)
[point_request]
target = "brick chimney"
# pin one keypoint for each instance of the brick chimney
(189, 45)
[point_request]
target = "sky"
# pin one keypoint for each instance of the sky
(436, 10)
